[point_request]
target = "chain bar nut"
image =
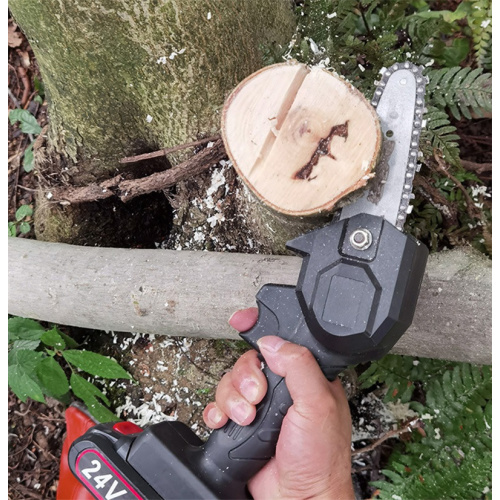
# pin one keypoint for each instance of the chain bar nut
(361, 239)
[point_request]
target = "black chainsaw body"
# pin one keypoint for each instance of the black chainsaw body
(356, 295)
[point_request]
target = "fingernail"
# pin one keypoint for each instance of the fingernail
(240, 412)
(215, 415)
(244, 319)
(249, 389)
(270, 344)
(230, 321)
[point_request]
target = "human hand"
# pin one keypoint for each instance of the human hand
(313, 453)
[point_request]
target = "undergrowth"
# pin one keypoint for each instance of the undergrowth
(40, 360)
(452, 456)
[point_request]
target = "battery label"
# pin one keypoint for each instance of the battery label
(102, 479)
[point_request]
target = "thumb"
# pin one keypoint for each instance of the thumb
(304, 379)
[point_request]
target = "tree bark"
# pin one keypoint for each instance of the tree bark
(124, 78)
(194, 293)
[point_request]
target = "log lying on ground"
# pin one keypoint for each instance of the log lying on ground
(194, 293)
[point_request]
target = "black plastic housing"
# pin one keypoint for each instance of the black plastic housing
(350, 305)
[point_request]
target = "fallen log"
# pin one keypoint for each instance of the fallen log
(193, 294)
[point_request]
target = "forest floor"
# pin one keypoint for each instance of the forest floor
(174, 378)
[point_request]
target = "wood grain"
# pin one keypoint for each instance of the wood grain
(300, 138)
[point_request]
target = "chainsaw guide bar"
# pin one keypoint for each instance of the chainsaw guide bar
(399, 103)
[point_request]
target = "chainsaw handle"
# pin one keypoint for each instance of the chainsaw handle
(241, 451)
(237, 452)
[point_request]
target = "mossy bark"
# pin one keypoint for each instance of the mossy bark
(127, 77)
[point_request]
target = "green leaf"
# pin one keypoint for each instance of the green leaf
(12, 229)
(52, 377)
(21, 374)
(95, 364)
(28, 123)
(456, 53)
(90, 395)
(28, 160)
(31, 345)
(85, 390)
(24, 328)
(28, 359)
(23, 211)
(460, 12)
(70, 342)
(100, 412)
(52, 338)
(24, 386)
(39, 87)
(24, 227)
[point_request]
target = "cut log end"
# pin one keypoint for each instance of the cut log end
(300, 138)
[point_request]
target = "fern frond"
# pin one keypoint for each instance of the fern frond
(440, 134)
(480, 22)
(423, 30)
(453, 460)
(399, 374)
(468, 480)
(461, 90)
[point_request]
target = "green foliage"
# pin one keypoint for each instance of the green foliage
(427, 223)
(35, 370)
(480, 23)
(461, 90)
(440, 134)
(28, 160)
(454, 457)
(27, 122)
(28, 125)
(22, 222)
(95, 364)
(40, 89)
(400, 375)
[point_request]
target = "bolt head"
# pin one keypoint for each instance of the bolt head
(361, 239)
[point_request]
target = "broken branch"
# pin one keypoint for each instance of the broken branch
(408, 427)
(165, 151)
(472, 210)
(127, 189)
(478, 168)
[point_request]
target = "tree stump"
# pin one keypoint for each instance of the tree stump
(301, 139)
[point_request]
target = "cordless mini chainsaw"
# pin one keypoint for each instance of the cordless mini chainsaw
(355, 297)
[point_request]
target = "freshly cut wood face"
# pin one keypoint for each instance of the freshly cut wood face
(300, 138)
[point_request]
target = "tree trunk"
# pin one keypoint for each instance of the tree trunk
(123, 78)
(194, 293)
